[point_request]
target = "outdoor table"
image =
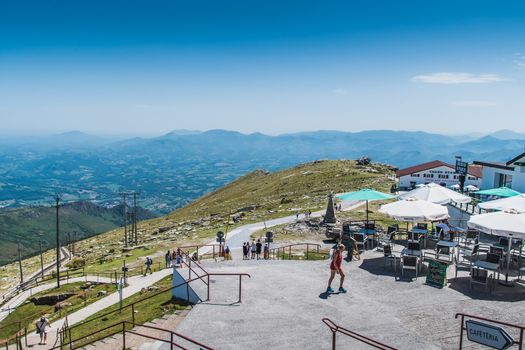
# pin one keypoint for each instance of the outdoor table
(487, 266)
(367, 232)
(411, 252)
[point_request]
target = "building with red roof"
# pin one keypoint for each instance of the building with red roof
(438, 172)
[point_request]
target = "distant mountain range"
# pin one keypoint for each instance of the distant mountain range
(174, 169)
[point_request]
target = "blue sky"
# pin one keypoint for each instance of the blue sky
(148, 67)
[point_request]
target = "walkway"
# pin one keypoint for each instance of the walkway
(136, 283)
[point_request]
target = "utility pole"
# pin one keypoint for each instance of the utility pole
(125, 211)
(20, 264)
(135, 216)
(41, 258)
(58, 241)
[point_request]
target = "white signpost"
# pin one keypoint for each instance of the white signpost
(491, 336)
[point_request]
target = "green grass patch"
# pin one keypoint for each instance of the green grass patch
(152, 308)
(28, 313)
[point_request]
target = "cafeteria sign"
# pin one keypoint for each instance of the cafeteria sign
(437, 274)
(461, 167)
(491, 336)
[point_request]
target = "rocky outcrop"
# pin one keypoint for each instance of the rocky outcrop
(51, 299)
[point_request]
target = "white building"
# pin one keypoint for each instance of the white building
(510, 174)
(438, 172)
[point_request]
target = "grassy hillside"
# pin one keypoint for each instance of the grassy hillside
(254, 197)
(80, 219)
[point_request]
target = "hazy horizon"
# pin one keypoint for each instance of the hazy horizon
(132, 68)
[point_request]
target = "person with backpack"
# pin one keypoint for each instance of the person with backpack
(335, 268)
(42, 326)
(244, 251)
(258, 248)
(148, 264)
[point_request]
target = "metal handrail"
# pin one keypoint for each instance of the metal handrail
(335, 329)
(166, 330)
(124, 331)
(272, 251)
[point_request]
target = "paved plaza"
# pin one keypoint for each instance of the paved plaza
(284, 302)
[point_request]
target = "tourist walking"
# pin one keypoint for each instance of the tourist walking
(266, 252)
(245, 251)
(253, 248)
(41, 328)
(227, 254)
(148, 264)
(335, 268)
(168, 259)
(258, 248)
(178, 259)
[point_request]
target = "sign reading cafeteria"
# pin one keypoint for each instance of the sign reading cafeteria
(491, 336)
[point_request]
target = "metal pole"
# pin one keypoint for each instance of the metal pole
(307, 245)
(20, 264)
(333, 340)
(461, 334)
(240, 287)
(41, 260)
(58, 240)
(133, 312)
(124, 210)
(135, 216)
(124, 335)
(171, 340)
(208, 287)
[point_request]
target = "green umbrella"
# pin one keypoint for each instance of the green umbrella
(500, 192)
(365, 194)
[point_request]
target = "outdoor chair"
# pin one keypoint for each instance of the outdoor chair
(493, 258)
(414, 246)
(500, 252)
(471, 236)
(413, 236)
(409, 262)
(370, 226)
(422, 225)
(360, 241)
(470, 254)
(480, 276)
(389, 256)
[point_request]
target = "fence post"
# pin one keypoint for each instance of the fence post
(240, 288)
(333, 340)
(290, 252)
(307, 245)
(133, 312)
(123, 335)
(461, 334)
(171, 340)
(70, 339)
(189, 268)
(214, 252)
(208, 287)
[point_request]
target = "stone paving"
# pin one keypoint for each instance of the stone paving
(284, 302)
